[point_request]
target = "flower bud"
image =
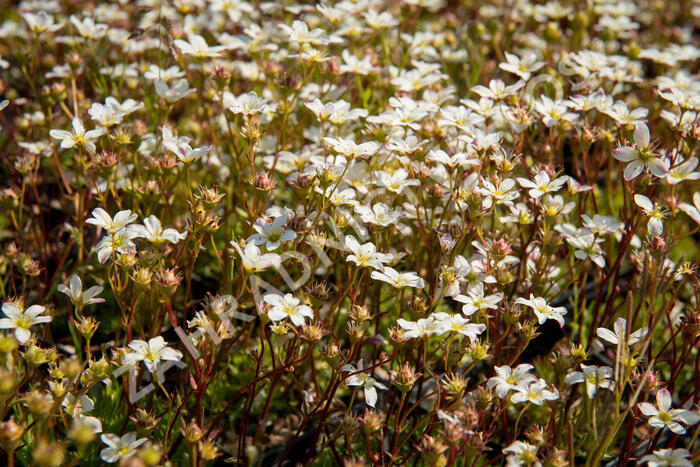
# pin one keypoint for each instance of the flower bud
(359, 313)
(356, 331)
(454, 385)
(350, 425)
(10, 434)
(432, 449)
(39, 404)
(87, 327)
(405, 378)
(192, 432)
(312, 332)
(207, 450)
(48, 454)
(372, 421)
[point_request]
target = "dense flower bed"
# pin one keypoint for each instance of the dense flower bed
(364, 232)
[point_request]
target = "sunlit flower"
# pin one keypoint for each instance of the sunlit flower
(152, 353)
(197, 46)
(508, 378)
(362, 378)
(668, 458)
(594, 376)
(398, 279)
(77, 295)
(101, 218)
(253, 260)
(655, 226)
(273, 234)
(366, 254)
(543, 310)
(520, 453)
(21, 319)
(620, 335)
(641, 156)
(119, 448)
(287, 306)
(535, 393)
(79, 137)
(663, 416)
(153, 231)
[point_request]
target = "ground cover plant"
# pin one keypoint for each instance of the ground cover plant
(371, 232)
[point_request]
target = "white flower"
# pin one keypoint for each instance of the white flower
(380, 214)
(459, 324)
(21, 320)
(41, 22)
(177, 91)
(88, 29)
(497, 89)
(640, 156)
(602, 224)
(154, 232)
(655, 226)
(475, 300)
(594, 376)
(542, 184)
(502, 193)
(620, 335)
(395, 181)
(151, 353)
(196, 46)
(248, 104)
(181, 148)
(668, 457)
(693, 210)
(119, 242)
(451, 162)
(352, 64)
(350, 149)
(121, 219)
(424, 327)
(535, 393)
(398, 279)
(77, 407)
(508, 378)
(369, 384)
(663, 416)
(366, 254)
(338, 197)
(78, 297)
(683, 171)
(405, 112)
(587, 246)
(119, 448)
(523, 67)
(336, 112)
(543, 310)
(287, 306)
(105, 115)
(521, 453)
(253, 260)
(154, 73)
(273, 234)
(553, 111)
(79, 137)
(459, 117)
(300, 34)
